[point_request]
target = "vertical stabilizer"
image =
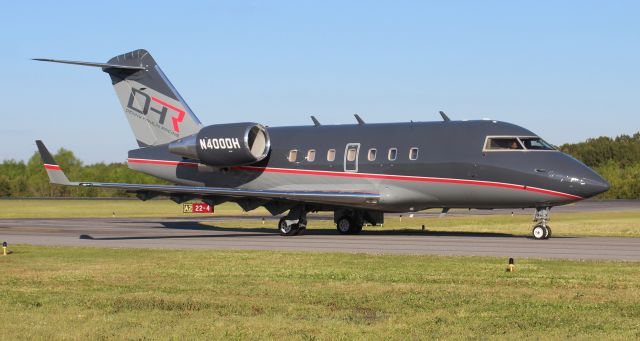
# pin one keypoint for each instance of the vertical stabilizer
(155, 110)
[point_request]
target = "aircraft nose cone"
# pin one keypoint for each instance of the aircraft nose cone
(576, 178)
(594, 186)
(587, 183)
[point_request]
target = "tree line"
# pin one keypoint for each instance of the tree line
(616, 159)
(29, 179)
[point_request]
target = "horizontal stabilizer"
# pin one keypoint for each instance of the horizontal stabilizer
(102, 65)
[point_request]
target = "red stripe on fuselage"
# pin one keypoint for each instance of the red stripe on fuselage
(370, 176)
(52, 167)
(164, 162)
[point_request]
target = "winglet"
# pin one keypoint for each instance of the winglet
(55, 173)
(359, 119)
(315, 121)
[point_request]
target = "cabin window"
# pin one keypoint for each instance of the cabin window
(293, 155)
(393, 154)
(331, 155)
(536, 143)
(413, 154)
(502, 143)
(311, 155)
(351, 154)
(372, 154)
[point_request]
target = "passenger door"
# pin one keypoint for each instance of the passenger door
(351, 154)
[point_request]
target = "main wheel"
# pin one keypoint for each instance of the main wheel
(287, 230)
(345, 225)
(540, 232)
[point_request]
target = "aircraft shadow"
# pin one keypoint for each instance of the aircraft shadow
(371, 231)
(269, 231)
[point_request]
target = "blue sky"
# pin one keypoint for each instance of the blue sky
(567, 70)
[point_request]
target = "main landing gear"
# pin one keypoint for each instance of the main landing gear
(348, 221)
(541, 230)
(290, 228)
(294, 222)
(349, 225)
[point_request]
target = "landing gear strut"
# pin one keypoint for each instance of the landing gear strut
(541, 229)
(294, 223)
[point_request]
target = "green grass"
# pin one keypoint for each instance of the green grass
(605, 223)
(92, 293)
(104, 209)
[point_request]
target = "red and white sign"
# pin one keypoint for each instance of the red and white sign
(199, 207)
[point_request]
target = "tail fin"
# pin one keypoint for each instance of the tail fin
(155, 110)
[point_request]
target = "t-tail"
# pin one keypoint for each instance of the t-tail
(155, 110)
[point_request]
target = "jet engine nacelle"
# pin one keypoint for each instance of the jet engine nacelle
(224, 145)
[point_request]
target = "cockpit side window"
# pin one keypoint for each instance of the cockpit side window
(502, 143)
(516, 143)
(536, 143)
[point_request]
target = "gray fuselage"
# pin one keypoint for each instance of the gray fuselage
(452, 168)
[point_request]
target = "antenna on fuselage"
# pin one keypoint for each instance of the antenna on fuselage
(360, 120)
(444, 116)
(315, 121)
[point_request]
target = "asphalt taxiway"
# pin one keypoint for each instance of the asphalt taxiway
(189, 233)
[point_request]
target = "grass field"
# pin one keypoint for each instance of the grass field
(105, 209)
(624, 223)
(91, 293)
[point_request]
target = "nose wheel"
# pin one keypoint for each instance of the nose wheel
(541, 230)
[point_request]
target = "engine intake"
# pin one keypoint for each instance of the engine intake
(224, 145)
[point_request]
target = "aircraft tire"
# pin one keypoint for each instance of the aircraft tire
(548, 232)
(540, 232)
(285, 230)
(345, 225)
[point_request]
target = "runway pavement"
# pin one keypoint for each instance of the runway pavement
(190, 234)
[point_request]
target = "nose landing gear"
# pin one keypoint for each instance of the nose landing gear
(541, 230)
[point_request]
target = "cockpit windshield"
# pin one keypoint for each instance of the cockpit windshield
(506, 143)
(536, 143)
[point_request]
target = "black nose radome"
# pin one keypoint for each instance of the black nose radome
(595, 186)
(572, 176)
(586, 183)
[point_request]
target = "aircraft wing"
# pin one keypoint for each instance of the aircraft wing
(57, 176)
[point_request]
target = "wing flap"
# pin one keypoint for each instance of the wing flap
(333, 197)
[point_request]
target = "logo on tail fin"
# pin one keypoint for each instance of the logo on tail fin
(142, 103)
